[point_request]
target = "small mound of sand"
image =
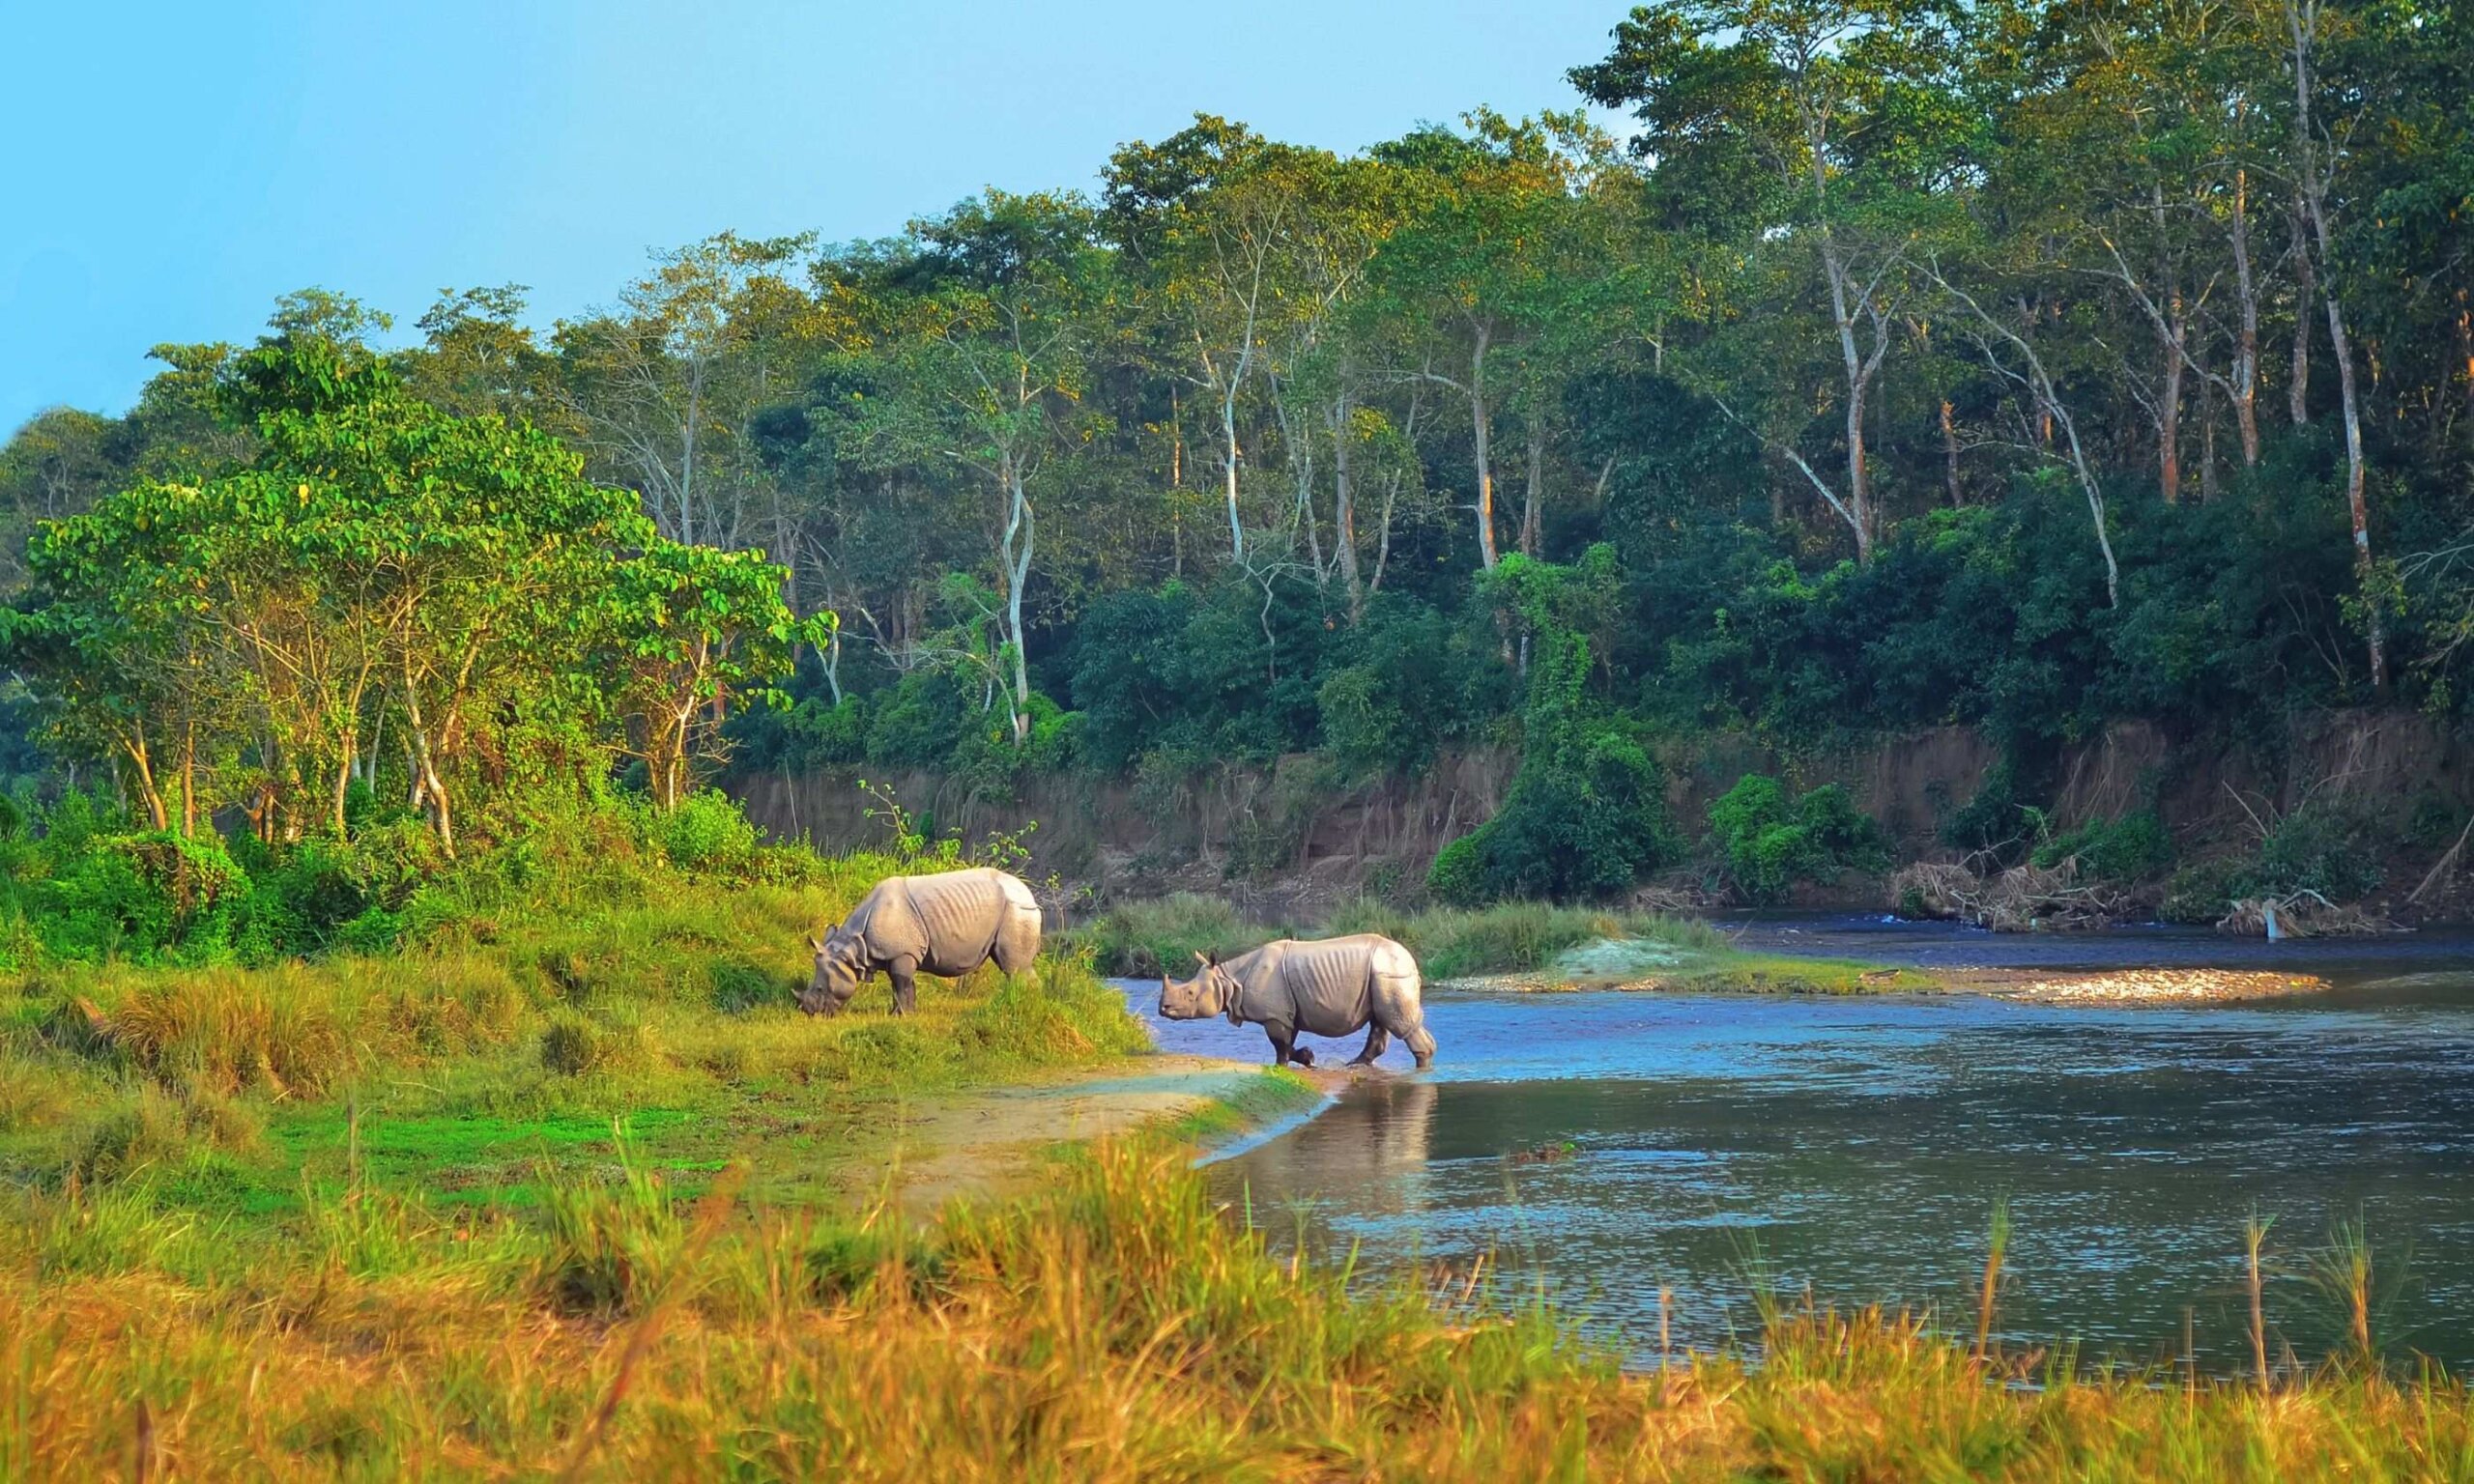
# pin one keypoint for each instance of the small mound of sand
(1616, 959)
(1607, 963)
(2160, 985)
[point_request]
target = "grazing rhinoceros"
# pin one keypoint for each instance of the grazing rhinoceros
(946, 924)
(1330, 986)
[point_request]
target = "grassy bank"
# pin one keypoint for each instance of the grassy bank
(1541, 946)
(1113, 1327)
(546, 996)
(1140, 939)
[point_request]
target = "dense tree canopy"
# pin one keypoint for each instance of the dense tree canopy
(2021, 364)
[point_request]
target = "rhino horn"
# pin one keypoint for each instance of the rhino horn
(815, 943)
(1205, 962)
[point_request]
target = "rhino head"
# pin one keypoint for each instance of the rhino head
(1211, 992)
(837, 976)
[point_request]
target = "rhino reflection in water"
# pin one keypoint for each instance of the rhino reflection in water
(946, 924)
(1330, 986)
(1373, 1143)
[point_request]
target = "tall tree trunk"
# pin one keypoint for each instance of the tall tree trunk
(2465, 349)
(1536, 485)
(2313, 176)
(1859, 494)
(1950, 456)
(2176, 335)
(1228, 457)
(1344, 502)
(429, 789)
(189, 779)
(2243, 388)
(2207, 440)
(134, 744)
(1019, 530)
(2374, 637)
(1480, 434)
(2298, 385)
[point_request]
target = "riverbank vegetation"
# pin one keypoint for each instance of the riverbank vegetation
(1143, 938)
(1113, 1327)
(2055, 370)
(611, 963)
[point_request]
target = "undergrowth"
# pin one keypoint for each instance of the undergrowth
(1143, 938)
(1116, 1326)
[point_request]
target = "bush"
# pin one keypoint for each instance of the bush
(1143, 939)
(2131, 848)
(706, 832)
(1581, 831)
(221, 1030)
(1765, 844)
(2330, 848)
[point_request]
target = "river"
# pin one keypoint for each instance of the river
(1855, 1148)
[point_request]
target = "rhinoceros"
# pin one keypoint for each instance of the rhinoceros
(1329, 986)
(946, 924)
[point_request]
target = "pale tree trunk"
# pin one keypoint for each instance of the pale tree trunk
(1296, 434)
(2175, 328)
(429, 789)
(2299, 387)
(1529, 509)
(189, 779)
(1343, 503)
(2039, 385)
(1228, 459)
(134, 744)
(1857, 508)
(2242, 387)
(1479, 431)
(1016, 557)
(2207, 440)
(1859, 495)
(2314, 178)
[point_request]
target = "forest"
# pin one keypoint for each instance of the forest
(1853, 367)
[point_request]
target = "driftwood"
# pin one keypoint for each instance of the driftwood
(2445, 865)
(2021, 899)
(2305, 914)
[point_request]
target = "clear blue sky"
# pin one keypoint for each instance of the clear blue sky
(171, 168)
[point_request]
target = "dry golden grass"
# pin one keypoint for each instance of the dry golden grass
(1117, 1328)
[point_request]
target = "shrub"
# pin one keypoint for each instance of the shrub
(1586, 816)
(1143, 938)
(1766, 842)
(2326, 847)
(223, 1030)
(706, 832)
(2131, 848)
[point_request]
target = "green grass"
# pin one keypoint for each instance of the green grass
(538, 1010)
(1143, 939)
(1140, 939)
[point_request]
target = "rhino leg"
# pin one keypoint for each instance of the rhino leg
(905, 974)
(1377, 1041)
(1284, 1047)
(1421, 1046)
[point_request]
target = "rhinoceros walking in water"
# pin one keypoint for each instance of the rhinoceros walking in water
(1330, 986)
(946, 924)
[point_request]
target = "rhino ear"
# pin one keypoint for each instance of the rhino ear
(1215, 958)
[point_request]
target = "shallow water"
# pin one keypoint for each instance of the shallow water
(1856, 1147)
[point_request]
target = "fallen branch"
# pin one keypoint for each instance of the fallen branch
(2443, 865)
